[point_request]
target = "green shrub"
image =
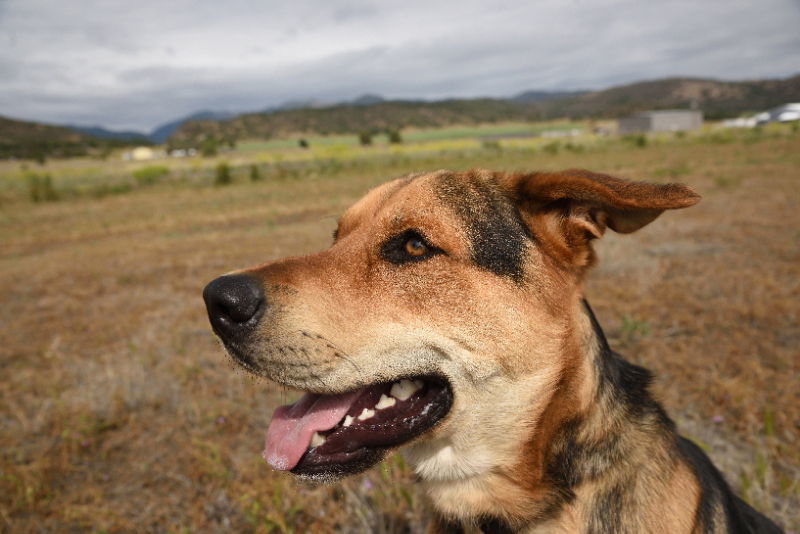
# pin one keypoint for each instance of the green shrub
(721, 138)
(223, 174)
(40, 188)
(637, 140)
(552, 147)
(727, 181)
(104, 190)
(302, 143)
(633, 328)
(394, 137)
(673, 172)
(150, 175)
(255, 173)
(491, 144)
(365, 138)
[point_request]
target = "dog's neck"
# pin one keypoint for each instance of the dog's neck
(600, 423)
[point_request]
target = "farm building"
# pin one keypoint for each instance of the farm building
(784, 113)
(671, 120)
(140, 153)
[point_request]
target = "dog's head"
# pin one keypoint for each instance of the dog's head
(443, 316)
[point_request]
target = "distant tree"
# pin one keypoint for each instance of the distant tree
(394, 137)
(365, 138)
(40, 156)
(223, 174)
(209, 147)
(302, 143)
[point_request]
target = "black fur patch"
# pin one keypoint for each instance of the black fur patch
(715, 494)
(494, 525)
(606, 516)
(497, 234)
(445, 526)
(562, 469)
(708, 479)
(623, 380)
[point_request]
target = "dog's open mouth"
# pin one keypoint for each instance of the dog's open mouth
(334, 435)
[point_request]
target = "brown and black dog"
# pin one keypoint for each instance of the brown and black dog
(447, 318)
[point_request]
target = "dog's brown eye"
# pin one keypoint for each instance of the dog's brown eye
(416, 247)
(408, 247)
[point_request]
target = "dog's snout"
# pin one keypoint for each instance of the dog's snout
(235, 303)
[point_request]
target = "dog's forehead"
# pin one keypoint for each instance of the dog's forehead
(397, 198)
(464, 192)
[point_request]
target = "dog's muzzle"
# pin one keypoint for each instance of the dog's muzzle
(235, 304)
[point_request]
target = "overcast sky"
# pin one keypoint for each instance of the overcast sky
(126, 64)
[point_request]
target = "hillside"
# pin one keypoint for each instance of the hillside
(544, 96)
(24, 139)
(104, 133)
(15, 131)
(161, 133)
(716, 99)
(31, 140)
(353, 118)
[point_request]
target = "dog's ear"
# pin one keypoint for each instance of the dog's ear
(567, 209)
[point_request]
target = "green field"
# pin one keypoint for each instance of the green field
(121, 414)
(325, 154)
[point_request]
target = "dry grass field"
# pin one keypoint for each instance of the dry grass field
(119, 413)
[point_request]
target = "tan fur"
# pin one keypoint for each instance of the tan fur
(517, 353)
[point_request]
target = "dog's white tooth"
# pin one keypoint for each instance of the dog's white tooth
(366, 414)
(385, 402)
(403, 390)
(418, 384)
(317, 439)
(348, 420)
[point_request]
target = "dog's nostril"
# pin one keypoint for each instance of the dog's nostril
(232, 302)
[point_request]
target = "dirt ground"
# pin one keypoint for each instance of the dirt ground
(119, 412)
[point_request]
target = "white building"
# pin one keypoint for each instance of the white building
(785, 113)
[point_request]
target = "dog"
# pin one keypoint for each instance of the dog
(447, 320)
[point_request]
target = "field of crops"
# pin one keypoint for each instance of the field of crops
(119, 412)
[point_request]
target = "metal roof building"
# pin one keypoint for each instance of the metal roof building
(670, 120)
(785, 113)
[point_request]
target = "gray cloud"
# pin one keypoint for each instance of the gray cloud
(135, 66)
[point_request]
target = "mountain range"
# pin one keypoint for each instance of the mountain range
(161, 133)
(717, 99)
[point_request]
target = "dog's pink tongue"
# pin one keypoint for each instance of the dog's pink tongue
(289, 433)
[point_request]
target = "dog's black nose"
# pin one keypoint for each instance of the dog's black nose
(235, 303)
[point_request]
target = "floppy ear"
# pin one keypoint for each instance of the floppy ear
(567, 209)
